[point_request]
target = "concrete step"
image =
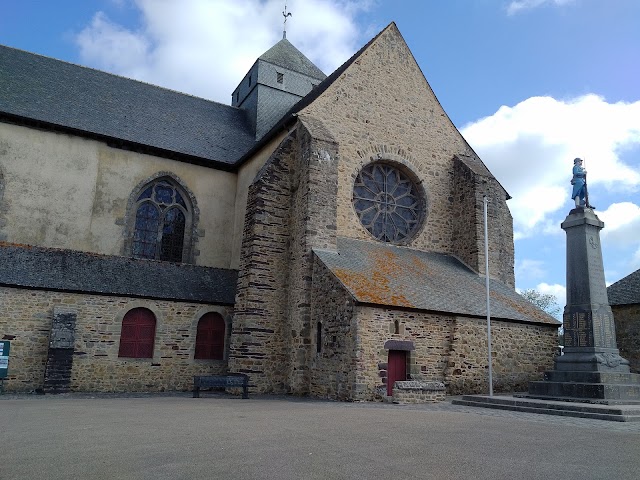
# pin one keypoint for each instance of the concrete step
(601, 391)
(616, 413)
(592, 377)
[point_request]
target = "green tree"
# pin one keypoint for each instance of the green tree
(548, 303)
(544, 301)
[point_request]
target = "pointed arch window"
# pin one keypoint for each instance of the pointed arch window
(163, 217)
(210, 337)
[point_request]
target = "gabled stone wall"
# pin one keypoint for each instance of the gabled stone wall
(381, 108)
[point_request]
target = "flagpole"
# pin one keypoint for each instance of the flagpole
(486, 272)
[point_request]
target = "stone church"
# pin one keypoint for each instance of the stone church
(323, 235)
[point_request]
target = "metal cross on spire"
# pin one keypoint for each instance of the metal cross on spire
(285, 14)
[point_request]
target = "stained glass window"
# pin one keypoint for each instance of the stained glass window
(161, 218)
(387, 202)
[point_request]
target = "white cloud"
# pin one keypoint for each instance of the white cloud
(527, 269)
(620, 235)
(530, 149)
(518, 6)
(204, 47)
(103, 43)
(622, 224)
(635, 260)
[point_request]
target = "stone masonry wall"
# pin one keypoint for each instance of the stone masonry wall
(452, 350)
(521, 353)
(261, 327)
(468, 223)
(290, 210)
(313, 224)
(333, 368)
(627, 320)
(467, 207)
(26, 318)
(430, 334)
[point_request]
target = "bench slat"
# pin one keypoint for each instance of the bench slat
(208, 381)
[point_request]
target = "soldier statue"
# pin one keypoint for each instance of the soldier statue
(579, 181)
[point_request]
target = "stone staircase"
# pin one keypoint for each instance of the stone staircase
(57, 377)
(571, 408)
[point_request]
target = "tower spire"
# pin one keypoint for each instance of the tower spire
(285, 14)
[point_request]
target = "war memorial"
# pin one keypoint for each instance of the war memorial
(590, 378)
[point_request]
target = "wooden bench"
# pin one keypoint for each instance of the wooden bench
(221, 381)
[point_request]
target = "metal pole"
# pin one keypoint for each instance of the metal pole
(486, 273)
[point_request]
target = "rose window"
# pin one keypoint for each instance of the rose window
(387, 202)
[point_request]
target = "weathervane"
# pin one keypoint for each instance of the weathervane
(285, 14)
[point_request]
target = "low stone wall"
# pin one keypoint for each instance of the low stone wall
(451, 350)
(26, 318)
(521, 353)
(413, 391)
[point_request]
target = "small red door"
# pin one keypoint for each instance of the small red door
(396, 368)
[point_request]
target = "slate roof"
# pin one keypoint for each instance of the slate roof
(382, 274)
(625, 291)
(84, 100)
(73, 271)
(284, 54)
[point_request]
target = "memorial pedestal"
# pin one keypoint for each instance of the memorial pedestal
(591, 368)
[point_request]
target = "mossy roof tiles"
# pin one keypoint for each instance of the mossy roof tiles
(387, 275)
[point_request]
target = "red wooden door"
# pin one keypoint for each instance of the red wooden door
(396, 368)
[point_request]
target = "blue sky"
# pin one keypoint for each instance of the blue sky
(530, 83)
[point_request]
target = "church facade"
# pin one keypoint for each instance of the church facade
(323, 235)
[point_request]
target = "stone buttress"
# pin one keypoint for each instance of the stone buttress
(291, 209)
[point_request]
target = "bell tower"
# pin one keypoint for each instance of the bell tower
(276, 82)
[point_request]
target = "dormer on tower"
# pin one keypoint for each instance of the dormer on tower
(277, 80)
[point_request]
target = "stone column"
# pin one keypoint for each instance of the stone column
(589, 330)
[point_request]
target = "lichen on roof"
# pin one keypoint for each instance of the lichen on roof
(383, 274)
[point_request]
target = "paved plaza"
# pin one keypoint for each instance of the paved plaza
(219, 437)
